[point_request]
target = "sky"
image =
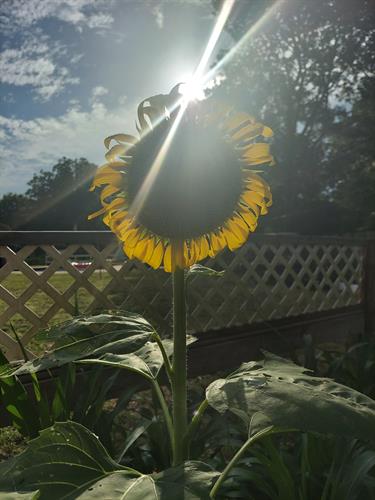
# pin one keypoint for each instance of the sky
(73, 72)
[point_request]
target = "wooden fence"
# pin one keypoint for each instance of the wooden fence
(46, 277)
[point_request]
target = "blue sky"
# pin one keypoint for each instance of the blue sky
(73, 72)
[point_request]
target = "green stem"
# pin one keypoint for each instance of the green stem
(165, 410)
(195, 422)
(265, 432)
(179, 387)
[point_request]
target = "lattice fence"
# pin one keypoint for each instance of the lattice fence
(270, 277)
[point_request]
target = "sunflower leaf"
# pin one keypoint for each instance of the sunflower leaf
(199, 270)
(93, 335)
(85, 327)
(68, 462)
(288, 396)
(146, 361)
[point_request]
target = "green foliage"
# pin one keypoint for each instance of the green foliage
(81, 337)
(288, 396)
(234, 430)
(300, 71)
(67, 461)
(146, 361)
(53, 199)
(303, 467)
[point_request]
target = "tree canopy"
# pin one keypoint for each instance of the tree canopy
(301, 67)
(55, 200)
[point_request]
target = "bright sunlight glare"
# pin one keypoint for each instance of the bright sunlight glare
(192, 87)
(192, 90)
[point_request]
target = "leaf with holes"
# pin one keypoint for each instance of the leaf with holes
(190, 481)
(146, 361)
(288, 396)
(68, 462)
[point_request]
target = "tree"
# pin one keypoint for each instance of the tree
(300, 72)
(13, 210)
(61, 197)
(352, 160)
(57, 199)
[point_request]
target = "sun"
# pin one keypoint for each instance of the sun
(192, 89)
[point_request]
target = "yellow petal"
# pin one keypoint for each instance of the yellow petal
(107, 192)
(236, 230)
(250, 219)
(141, 250)
(237, 120)
(217, 243)
(203, 247)
(96, 214)
(168, 258)
(257, 154)
(249, 131)
(267, 132)
(131, 237)
(191, 253)
(129, 139)
(114, 178)
(157, 256)
(115, 152)
(231, 239)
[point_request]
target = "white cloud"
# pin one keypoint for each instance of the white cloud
(26, 146)
(158, 14)
(99, 91)
(34, 63)
(16, 14)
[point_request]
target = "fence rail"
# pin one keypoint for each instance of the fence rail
(50, 276)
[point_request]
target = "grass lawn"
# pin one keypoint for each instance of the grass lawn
(227, 302)
(40, 302)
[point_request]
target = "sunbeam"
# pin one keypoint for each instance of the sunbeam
(182, 103)
(250, 32)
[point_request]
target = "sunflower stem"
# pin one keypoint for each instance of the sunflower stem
(179, 387)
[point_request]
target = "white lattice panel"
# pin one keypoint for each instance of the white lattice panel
(262, 281)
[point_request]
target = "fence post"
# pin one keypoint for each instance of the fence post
(369, 286)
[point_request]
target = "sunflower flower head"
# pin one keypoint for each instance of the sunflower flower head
(200, 187)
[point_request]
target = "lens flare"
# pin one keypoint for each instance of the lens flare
(192, 88)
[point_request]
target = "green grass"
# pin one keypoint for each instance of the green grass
(242, 303)
(40, 302)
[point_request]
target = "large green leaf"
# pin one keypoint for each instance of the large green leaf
(68, 462)
(120, 340)
(63, 459)
(191, 481)
(83, 327)
(146, 361)
(288, 396)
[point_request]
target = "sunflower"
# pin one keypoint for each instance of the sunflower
(207, 194)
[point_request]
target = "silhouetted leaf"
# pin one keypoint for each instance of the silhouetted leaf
(68, 462)
(146, 361)
(288, 396)
(91, 335)
(199, 270)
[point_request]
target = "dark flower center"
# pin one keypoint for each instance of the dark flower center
(197, 187)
